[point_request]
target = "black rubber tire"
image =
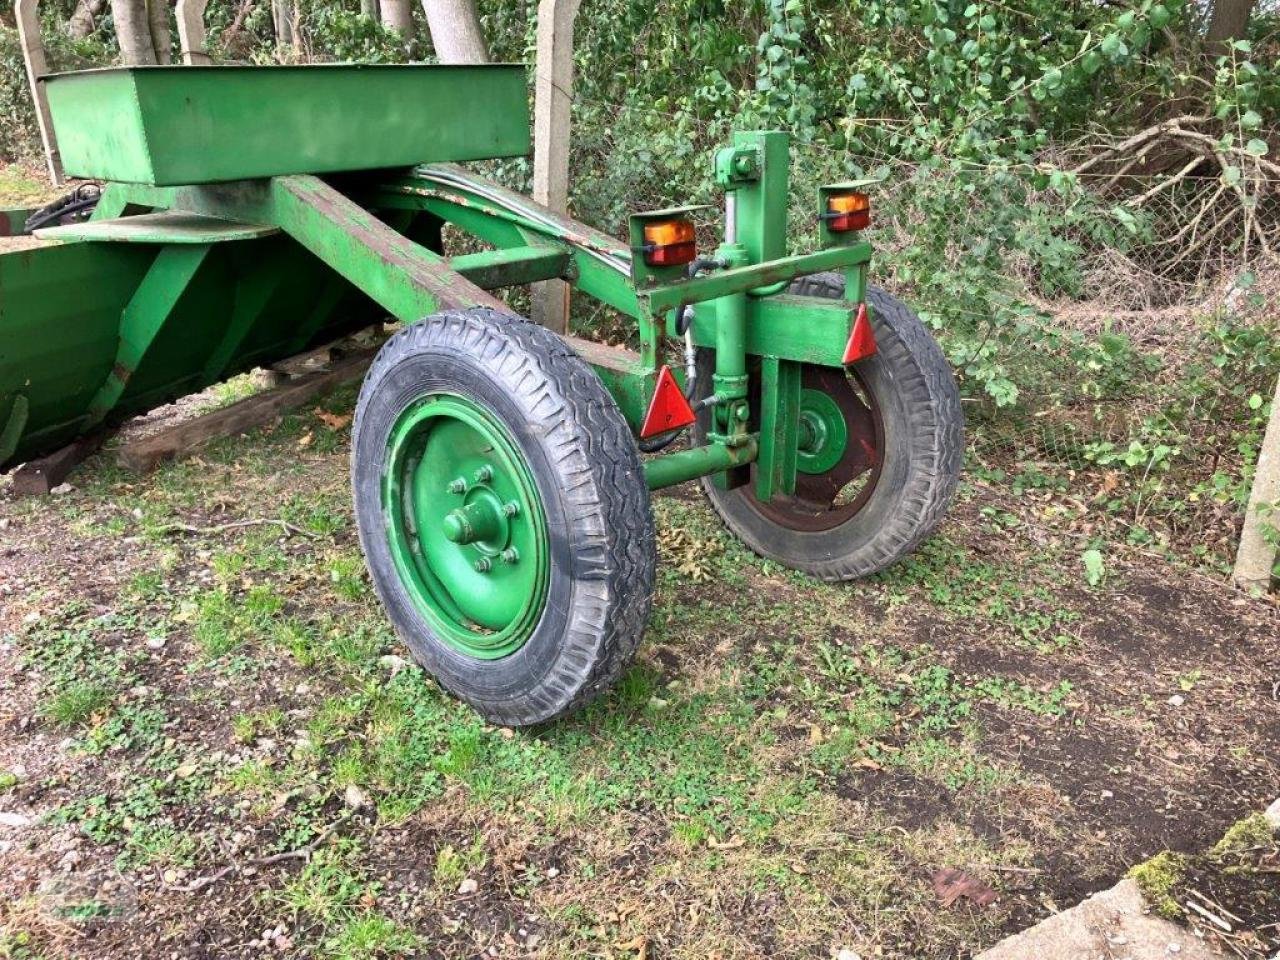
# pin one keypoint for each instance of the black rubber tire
(924, 448)
(588, 475)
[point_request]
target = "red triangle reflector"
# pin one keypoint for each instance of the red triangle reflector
(668, 410)
(862, 341)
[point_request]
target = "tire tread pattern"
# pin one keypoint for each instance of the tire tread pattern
(604, 496)
(925, 381)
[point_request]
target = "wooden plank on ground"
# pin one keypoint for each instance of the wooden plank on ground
(146, 453)
(39, 477)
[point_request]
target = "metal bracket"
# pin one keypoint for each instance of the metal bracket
(144, 316)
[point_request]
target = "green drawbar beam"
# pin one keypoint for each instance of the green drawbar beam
(675, 468)
(169, 126)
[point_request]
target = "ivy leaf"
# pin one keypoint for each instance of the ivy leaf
(1159, 16)
(1256, 147)
(1250, 120)
(1231, 176)
(1255, 401)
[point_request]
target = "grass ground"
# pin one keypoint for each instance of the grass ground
(213, 747)
(24, 185)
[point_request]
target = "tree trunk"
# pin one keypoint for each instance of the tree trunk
(282, 20)
(133, 32)
(398, 15)
(84, 20)
(1228, 21)
(158, 20)
(369, 8)
(455, 31)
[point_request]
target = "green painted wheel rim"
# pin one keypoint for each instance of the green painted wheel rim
(466, 526)
(824, 433)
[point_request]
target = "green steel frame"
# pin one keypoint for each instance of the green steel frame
(379, 235)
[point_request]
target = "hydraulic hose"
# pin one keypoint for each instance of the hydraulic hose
(664, 440)
(84, 197)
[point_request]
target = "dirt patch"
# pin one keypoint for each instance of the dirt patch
(781, 774)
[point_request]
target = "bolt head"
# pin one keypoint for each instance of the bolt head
(510, 508)
(483, 565)
(484, 474)
(458, 486)
(510, 555)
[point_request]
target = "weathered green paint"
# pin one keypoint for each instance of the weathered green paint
(61, 307)
(762, 203)
(136, 198)
(407, 280)
(804, 329)
(151, 305)
(740, 279)
(514, 265)
(167, 227)
(631, 389)
(823, 432)
(481, 216)
(57, 341)
(779, 428)
(14, 424)
(466, 525)
(309, 258)
(711, 458)
(184, 125)
(252, 295)
(13, 220)
(321, 314)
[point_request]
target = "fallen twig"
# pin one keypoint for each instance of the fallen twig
(1213, 918)
(301, 853)
(236, 525)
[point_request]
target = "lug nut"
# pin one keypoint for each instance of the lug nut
(484, 474)
(483, 565)
(458, 486)
(510, 508)
(510, 555)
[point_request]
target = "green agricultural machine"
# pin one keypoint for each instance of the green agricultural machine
(501, 473)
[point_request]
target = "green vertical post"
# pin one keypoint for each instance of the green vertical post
(761, 204)
(779, 428)
(756, 170)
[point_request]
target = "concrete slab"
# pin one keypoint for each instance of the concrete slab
(1111, 925)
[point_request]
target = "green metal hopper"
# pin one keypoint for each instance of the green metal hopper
(134, 309)
(164, 126)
